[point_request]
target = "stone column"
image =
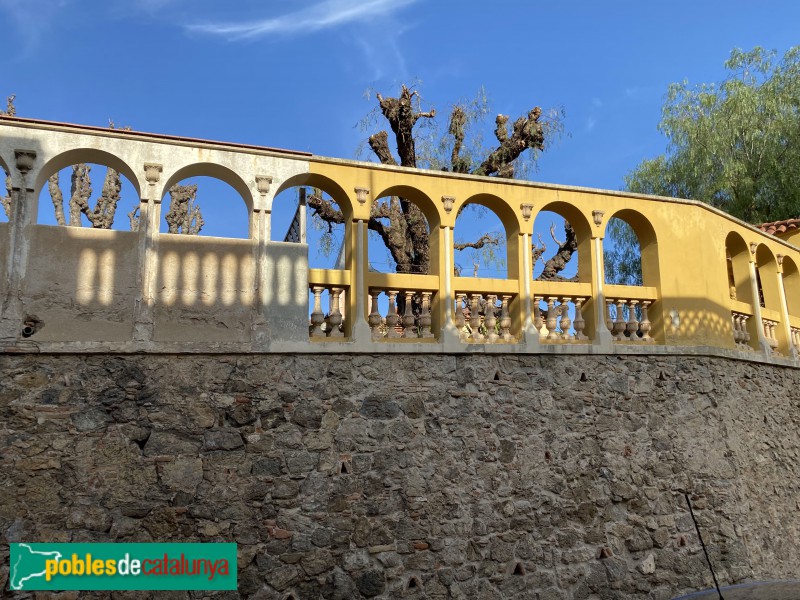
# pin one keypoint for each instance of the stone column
(149, 216)
(762, 339)
(22, 197)
(787, 328)
(602, 336)
(359, 329)
(531, 335)
(260, 236)
(450, 333)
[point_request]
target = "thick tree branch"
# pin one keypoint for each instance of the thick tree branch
(324, 209)
(57, 197)
(458, 121)
(527, 132)
(559, 260)
(379, 142)
(402, 118)
(484, 240)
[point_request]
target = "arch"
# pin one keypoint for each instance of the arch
(85, 155)
(4, 166)
(791, 285)
(510, 222)
(738, 259)
(583, 233)
(648, 243)
(232, 178)
(5, 174)
(767, 272)
(327, 185)
(420, 199)
(498, 206)
(432, 221)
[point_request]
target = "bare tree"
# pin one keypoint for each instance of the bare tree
(6, 200)
(398, 222)
(184, 215)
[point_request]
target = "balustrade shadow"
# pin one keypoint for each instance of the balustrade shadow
(85, 290)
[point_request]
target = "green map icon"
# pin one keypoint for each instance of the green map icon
(27, 565)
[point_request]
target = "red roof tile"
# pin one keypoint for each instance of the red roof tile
(778, 227)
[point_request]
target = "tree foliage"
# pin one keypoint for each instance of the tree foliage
(622, 256)
(735, 144)
(419, 143)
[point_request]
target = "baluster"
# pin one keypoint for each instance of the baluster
(644, 325)
(460, 320)
(537, 315)
(609, 321)
(551, 322)
(579, 323)
(409, 331)
(619, 322)
(335, 319)
(491, 320)
(564, 323)
(374, 318)
(392, 318)
(633, 325)
(317, 316)
(505, 320)
(475, 318)
(745, 333)
(425, 316)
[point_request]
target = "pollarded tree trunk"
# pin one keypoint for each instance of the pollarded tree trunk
(184, 215)
(6, 200)
(399, 222)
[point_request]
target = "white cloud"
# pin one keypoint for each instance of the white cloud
(324, 15)
(590, 123)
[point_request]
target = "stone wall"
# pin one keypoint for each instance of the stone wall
(413, 476)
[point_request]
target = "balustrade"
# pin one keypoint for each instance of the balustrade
(484, 318)
(408, 315)
(770, 328)
(794, 332)
(551, 318)
(740, 334)
(627, 320)
(331, 324)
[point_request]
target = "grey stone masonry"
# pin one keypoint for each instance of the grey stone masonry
(412, 476)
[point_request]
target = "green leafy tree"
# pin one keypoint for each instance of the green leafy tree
(735, 144)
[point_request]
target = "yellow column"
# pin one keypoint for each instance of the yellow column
(787, 330)
(759, 323)
(601, 335)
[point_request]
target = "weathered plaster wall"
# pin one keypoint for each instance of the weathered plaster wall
(479, 476)
(81, 283)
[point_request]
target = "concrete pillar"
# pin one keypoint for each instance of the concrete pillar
(529, 333)
(359, 329)
(22, 199)
(149, 217)
(449, 334)
(759, 323)
(602, 336)
(786, 326)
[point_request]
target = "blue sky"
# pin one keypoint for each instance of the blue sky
(294, 74)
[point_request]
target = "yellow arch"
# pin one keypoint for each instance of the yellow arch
(648, 243)
(419, 198)
(327, 185)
